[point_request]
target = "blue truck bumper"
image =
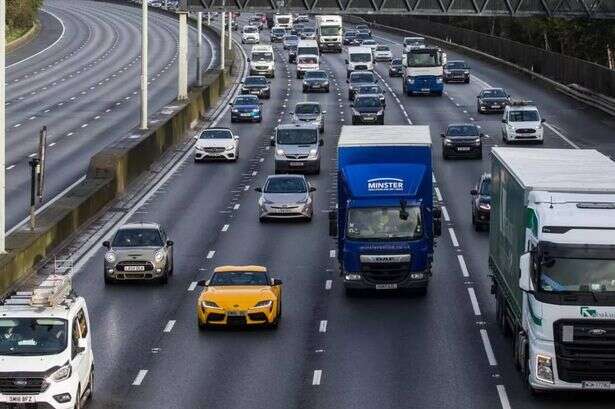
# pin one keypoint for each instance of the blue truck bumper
(424, 87)
(414, 279)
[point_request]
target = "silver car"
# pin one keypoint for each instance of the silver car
(286, 197)
(311, 113)
(139, 251)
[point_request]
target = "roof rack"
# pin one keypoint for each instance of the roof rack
(521, 103)
(54, 291)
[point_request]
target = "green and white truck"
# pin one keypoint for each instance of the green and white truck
(552, 260)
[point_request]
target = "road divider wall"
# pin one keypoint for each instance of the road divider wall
(109, 174)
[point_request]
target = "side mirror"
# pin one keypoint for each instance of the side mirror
(312, 189)
(352, 105)
(321, 142)
(481, 135)
(276, 281)
(324, 112)
(248, 59)
(525, 280)
(347, 81)
(333, 223)
(504, 121)
(258, 189)
(345, 61)
(236, 137)
(106, 244)
(478, 97)
(474, 192)
(272, 141)
(202, 283)
(442, 135)
(230, 104)
(437, 221)
(82, 345)
(169, 243)
(542, 120)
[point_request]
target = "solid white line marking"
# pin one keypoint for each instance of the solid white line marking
(192, 286)
(10, 167)
(17, 126)
(332, 253)
(488, 349)
(561, 135)
(503, 397)
(445, 214)
(328, 284)
(323, 326)
(84, 125)
(31, 155)
(474, 301)
(211, 254)
(236, 207)
(317, 376)
(438, 194)
(462, 264)
(140, 376)
(225, 227)
(169, 326)
(451, 231)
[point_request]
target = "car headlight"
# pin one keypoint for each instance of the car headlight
(466, 72)
(477, 141)
(256, 110)
(544, 368)
(313, 153)
(447, 72)
(264, 304)
(355, 112)
(325, 83)
(438, 80)
(279, 152)
(380, 113)
(159, 256)
(485, 206)
(62, 374)
(448, 142)
(110, 257)
(235, 111)
(230, 147)
(410, 80)
(210, 304)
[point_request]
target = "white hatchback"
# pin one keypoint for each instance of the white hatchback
(383, 53)
(521, 122)
(216, 144)
(249, 34)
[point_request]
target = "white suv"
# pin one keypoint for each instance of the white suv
(216, 143)
(46, 348)
(522, 123)
(249, 34)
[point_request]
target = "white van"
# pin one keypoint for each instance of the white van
(359, 59)
(307, 62)
(307, 47)
(262, 61)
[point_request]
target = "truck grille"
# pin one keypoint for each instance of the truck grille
(385, 272)
(585, 350)
(360, 67)
(297, 156)
(22, 386)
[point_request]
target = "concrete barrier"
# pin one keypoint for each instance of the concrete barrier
(109, 174)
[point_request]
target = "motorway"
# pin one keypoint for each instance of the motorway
(442, 350)
(80, 78)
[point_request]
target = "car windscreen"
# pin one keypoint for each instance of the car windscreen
(291, 38)
(283, 20)
(363, 36)
(560, 274)
(285, 185)
(383, 223)
(350, 34)
(383, 48)
(216, 134)
(368, 42)
(457, 65)
(414, 41)
(297, 136)
(367, 102)
(396, 61)
(462, 130)
(493, 93)
(255, 81)
(262, 56)
(307, 50)
(250, 29)
(308, 30)
(137, 238)
(303, 109)
(523, 116)
(33, 336)
(360, 57)
(307, 60)
(357, 78)
(239, 278)
(247, 100)
(278, 31)
(371, 89)
(485, 187)
(318, 75)
(330, 31)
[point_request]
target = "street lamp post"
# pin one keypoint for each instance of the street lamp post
(199, 74)
(2, 122)
(182, 94)
(222, 40)
(144, 58)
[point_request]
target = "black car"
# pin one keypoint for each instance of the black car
(256, 85)
(363, 28)
(367, 110)
(481, 202)
(492, 100)
(396, 68)
(462, 140)
(350, 38)
(456, 71)
(317, 80)
(373, 89)
(357, 79)
(292, 54)
(362, 36)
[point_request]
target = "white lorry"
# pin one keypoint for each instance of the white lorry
(283, 20)
(552, 261)
(329, 33)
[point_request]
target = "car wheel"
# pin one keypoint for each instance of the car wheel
(272, 74)
(444, 155)
(327, 89)
(421, 291)
(202, 326)
(164, 279)
(108, 280)
(233, 120)
(439, 93)
(304, 90)
(172, 269)
(480, 155)
(90, 389)
(298, 77)
(349, 96)
(467, 81)
(260, 119)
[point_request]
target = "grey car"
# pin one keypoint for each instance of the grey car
(311, 113)
(286, 197)
(297, 148)
(139, 251)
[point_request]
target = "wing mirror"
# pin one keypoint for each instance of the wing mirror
(525, 279)
(82, 345)
(272, 141)
(542, 120)
(442, 135)
(321, 142)
(258, 189)
(437, 221)
(248, 59)
(170, 243)
(504, 121)
(345, 61)
(236, 137)
(202, 283)
(276, 281)
(474, 192)
(106, 244)
(481, 135)
(312, 189)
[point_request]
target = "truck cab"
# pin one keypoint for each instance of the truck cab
(423, 72)
(386, 221)
(45, 347)
(283, 20)
(329, 33)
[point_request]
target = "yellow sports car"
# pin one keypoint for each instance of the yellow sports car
(240, 295)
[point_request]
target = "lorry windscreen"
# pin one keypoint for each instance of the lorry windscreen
(32, 336)
(262, 56)
(330, 31)
(380, 223)
(363, 57)
(297, 136)
(307, 51)
(577, 274)
(424, 58)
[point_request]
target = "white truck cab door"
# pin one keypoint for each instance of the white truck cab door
(81, 358)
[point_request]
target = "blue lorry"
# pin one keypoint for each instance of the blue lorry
(423, 72)
(386, 221)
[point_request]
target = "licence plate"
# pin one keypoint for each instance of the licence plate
(316, 86)
(296, 163)
(22, 399)
(495, 106)
(425, 89)
(463, 149)
(246, 114)
(134, 268)
(386, 286)
(235, 313)
(284, 210)
(596, 385)
(255, 92)
(369, 118)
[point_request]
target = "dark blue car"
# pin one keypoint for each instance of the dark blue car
(246, 108)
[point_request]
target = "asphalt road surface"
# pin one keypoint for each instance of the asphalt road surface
(81, 79)
(386, 351)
